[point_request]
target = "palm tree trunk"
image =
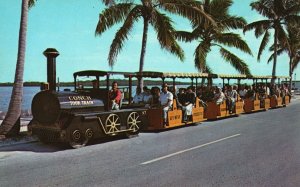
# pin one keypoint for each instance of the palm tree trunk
(143, 50)
(275, 57)
(15, 104)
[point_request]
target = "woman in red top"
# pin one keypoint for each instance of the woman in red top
(115, 96)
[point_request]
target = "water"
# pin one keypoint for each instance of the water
(28, 94)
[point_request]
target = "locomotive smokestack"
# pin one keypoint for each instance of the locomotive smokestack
(51, 54)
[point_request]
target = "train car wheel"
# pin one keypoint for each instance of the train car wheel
(133, 122)
(113, 124)
(77, 140)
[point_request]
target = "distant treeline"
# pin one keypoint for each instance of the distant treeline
(85, 83)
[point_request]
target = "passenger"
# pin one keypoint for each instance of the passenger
(283, 93)
(138, 98)
(80, 86)
(146, 95)
(219, 96)
(115, 96)
(188, 104)
(181, 96)
(278, 91)
(231, 98)
(267, 88)
(261, 95)
(287, 92)
(166, 101)
(208, 94)
(155, 94)
(250, 93)
(242, 92)
(199, 94)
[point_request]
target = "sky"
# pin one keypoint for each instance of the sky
(69, 26)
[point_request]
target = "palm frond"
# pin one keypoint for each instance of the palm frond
(190, 9)
(263, 44)
(31, 3)
(200, 55)
(283, 38)
(184, 36)
(293, 19)
(165, 33)
(219, 8)
(295, 63)
(232, 40)
(293, 8)
(122, 35)
(263, 8)
(235, 61)
(112, 15)
(234, 22)
(279, 52)
(108, 2)
(279, 7)
(259, 26)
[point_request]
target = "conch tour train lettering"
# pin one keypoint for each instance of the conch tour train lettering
(80, 100)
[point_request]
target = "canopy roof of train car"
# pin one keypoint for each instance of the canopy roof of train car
(153, 74)
(98, 73)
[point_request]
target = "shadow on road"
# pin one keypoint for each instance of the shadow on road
(39, 147)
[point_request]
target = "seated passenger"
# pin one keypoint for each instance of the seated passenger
(115, 97)
(138, 98)
(188, 103)
(166, 101)
(231, 98)
(146, 95)
(219, 96)
(181, 96)
(208, 94)
(155, 94)
(242, 92)
(250, 93)
(261, 95)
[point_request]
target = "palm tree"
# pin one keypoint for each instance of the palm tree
(292, 48)
(217, 36)
(11, 124)
(149, 11)
(278, 13)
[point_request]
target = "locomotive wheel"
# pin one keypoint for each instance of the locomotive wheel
(133, 121)
(78, 140)
(112, 124)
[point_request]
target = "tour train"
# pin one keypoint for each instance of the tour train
(83, 114)
(75, 117)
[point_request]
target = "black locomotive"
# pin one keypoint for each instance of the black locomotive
(77, 116)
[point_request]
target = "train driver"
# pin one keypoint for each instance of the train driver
(166, 101)
(115, 96)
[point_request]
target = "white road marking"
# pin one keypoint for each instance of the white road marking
(190, 149)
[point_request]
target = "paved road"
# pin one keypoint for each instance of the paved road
(259, 149)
